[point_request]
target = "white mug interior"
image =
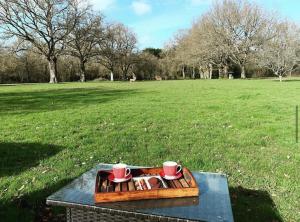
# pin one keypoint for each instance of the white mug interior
(170, 163)
(120, 166)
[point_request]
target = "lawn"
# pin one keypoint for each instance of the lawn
(50, 134)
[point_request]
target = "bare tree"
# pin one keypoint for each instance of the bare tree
(183, 56)
(116, 49)
(243, 26)
(84, 38)
(107, 50)
(168, 64)
(201, 50)
(127, 50)
(147, 66)
(280, 53)
(201, 47)
(43, 23)
(231, 31)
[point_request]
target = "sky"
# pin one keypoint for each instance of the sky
(156, 21)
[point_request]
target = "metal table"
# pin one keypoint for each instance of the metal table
(213, 203)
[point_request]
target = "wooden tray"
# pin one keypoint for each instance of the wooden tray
(106, 191)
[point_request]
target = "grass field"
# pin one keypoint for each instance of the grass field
(50, 134)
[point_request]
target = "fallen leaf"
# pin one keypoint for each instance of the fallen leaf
(286, 175)
(21, 188)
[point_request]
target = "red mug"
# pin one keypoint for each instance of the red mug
(171, 168)
(120, 171)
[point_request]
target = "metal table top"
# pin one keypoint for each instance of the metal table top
(213, 203)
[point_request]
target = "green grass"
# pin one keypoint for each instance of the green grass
(50, 134)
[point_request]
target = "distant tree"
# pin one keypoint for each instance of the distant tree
(127, 51)
(116, 49)
(107, 50)
(45, 24)
(241, 25)
(182, 53)
(153, 51)
(8, 66)
(208, 48)
(230, 33)
(34, 68)
(280, 53)
(168, 63)
(146, 66)
(83, 40)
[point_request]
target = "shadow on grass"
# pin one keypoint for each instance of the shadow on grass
(17, 157)
(253, 205)
(291, 80)
(32, 207)
(56, 99)
(7, 85)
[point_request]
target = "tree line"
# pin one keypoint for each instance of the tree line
(65, 30)
(237, 34)
(65, 40)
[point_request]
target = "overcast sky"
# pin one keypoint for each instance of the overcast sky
(155, 21)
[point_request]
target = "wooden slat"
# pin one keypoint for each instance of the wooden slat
(118, 187)
(98, 184)
(124, 186)
(110, 187)
(183, 183)
(167, 183)
(137, 185)
(173, 184)
(170, 184)
(104, 186)
(188, 178)
(177, 183)
(144, 185)
(131, 186)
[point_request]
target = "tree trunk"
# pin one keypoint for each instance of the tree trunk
(280, 78)
(125, 78)
(193, 73)
(206, 73)
(27, 69)
(183, 72)
(243, 72)
(82, 71)
(225, 72)
(220, 72)
(111, 76)
(52, 70)
(126, 70)
(21, 77)
(123, 73)
(201, 72)
(210, 71)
